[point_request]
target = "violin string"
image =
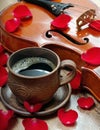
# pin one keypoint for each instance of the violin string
(79, 12)
(80, 6)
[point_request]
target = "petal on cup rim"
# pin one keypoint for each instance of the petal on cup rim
(75, 83)
(95, 25)
(22, 12)
(85, 102)
(61, 22)
(67, 117)
(5, 116)
(92, 56)
(34, 124)
(3, 76)
(32, 108)
(12, 24)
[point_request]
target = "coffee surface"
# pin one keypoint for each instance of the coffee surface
(33, 66)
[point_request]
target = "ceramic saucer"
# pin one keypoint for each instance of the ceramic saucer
(59, 99)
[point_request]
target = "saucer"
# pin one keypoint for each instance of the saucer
(59, 99)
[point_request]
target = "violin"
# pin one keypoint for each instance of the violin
(68, 44)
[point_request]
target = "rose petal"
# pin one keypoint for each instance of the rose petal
(5, 116)
(12, 24)
(92, 56)
(85, 102)
(22, 12)
(95, 25)
(3, 76)
(3, 59)
(1, 49)
(75, 83)
(32, 108)
(34, 124)
(61, 22)
(67, 117)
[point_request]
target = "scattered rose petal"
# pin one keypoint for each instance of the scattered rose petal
(75, 83)
(61, 22)
(32, 108)
(3, 76)
(67, 117)
(92, 56)
(85, 102)
(34, 124)
(3, 59)
(95, 25)
(1, 49)
(22, 12)
(5, 116)
(12, 24)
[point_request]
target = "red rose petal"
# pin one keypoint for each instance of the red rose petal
(1, 49)
(22, 12)
(75, 83)
(67, 117)
(34, 124)
(92, 56)
(4, 118)
(3, 76)
(3, 59)
(32, 108)
(95, 25)
(61, 22)
(12, 24)
(85, 102)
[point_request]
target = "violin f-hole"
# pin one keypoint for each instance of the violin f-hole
(67, 36)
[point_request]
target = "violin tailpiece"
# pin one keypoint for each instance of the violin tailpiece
(55, 8)
(85, 18)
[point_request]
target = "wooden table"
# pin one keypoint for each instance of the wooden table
(87, 120)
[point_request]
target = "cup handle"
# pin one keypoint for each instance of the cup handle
(67, 71)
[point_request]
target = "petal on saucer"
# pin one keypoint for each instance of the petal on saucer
(85, 102)
(61, 22)
(32, 108)
(34, 124)
(3, 59)
(67, 117)
(22, 12)
(75, 83)
(3, 76)
(92, 56)
(95, 25)
(12, 24)
(5, 116)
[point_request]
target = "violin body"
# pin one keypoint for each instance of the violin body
(32, 33)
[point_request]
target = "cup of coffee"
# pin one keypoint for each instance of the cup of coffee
(36, 73)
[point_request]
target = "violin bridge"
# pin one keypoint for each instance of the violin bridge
(85, 18)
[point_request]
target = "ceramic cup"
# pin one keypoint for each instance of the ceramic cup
(36, 73)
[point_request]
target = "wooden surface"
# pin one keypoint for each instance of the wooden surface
(87, 120)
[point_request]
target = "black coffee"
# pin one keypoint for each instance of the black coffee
(33, 66)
